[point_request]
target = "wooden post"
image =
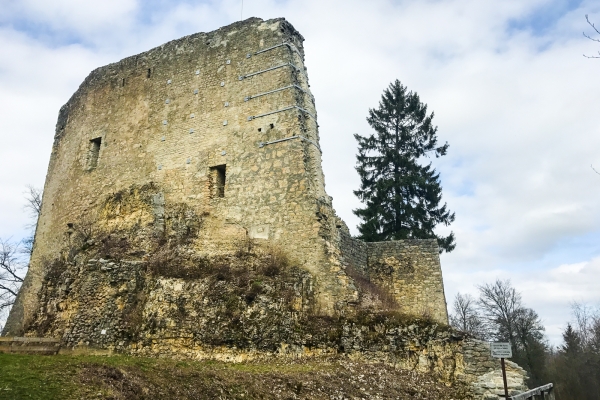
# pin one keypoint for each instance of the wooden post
(504, 378)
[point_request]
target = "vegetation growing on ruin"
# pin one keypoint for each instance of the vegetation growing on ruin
(250, 297)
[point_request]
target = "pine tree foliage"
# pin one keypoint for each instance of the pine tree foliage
(401, 196)
(575, 368)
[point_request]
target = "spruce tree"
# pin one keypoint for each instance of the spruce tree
(401, 196)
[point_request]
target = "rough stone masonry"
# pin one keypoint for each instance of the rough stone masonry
(171, 166)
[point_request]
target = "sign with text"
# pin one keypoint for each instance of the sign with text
(501, 350)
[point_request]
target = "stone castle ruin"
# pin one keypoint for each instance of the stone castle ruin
(185, 214)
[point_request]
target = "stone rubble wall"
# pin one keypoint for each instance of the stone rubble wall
(98, 305)
(485, 374)
(354, 251)
(409, 269)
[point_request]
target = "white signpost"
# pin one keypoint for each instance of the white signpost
(502, 350)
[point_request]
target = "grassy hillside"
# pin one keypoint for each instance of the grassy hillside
(120, 377)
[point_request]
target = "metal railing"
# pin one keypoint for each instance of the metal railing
(545, 392)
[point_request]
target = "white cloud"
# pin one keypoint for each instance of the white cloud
(35, 82)
(72, 16)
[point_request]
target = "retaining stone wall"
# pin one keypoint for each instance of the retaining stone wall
(411, 270)
(26, 345)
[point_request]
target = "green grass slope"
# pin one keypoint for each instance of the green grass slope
(120, 377)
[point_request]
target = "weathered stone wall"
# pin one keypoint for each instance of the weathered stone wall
(234, 309)
(354, 251)
(411, 270)
(224, 125)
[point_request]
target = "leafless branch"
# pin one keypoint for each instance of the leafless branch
(594, 169)
(591, 38)
(33, 197)
(590, 23)
(587, 320)
(466, 317)
(12, 272)
(500, 304)
(593, 26)
(592, 56)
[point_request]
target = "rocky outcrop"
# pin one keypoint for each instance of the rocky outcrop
(250, 305)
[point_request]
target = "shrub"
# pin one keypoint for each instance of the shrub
(365, 286)
(133, 314)
(255, 289)
(113, 246)
(276, 261)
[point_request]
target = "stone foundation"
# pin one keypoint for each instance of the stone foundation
(27, 345)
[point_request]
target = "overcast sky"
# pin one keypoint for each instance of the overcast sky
(507, 80)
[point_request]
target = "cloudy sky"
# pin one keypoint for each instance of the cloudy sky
(507, 80)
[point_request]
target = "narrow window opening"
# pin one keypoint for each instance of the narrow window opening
(149, 73)
(272, 126)
(217, 178)
(260, 129)
(94, 152)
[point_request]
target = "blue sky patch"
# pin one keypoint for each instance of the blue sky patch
(544, 18)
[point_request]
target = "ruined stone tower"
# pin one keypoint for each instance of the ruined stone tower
(213, 136)
(185, 215)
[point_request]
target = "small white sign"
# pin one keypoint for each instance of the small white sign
(103, 332)
(501, 350)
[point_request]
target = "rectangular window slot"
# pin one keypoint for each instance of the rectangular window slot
(149, 73)
(217, 180)
(94, 152)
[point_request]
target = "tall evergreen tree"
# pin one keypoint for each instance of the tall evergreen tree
(401, 196)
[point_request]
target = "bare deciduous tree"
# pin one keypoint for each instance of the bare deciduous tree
(500, 303)
(510, 321)
(466, 317)
(590, 23)
(33, 203)
(11, 273)
(587, 322)
(14, 257)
